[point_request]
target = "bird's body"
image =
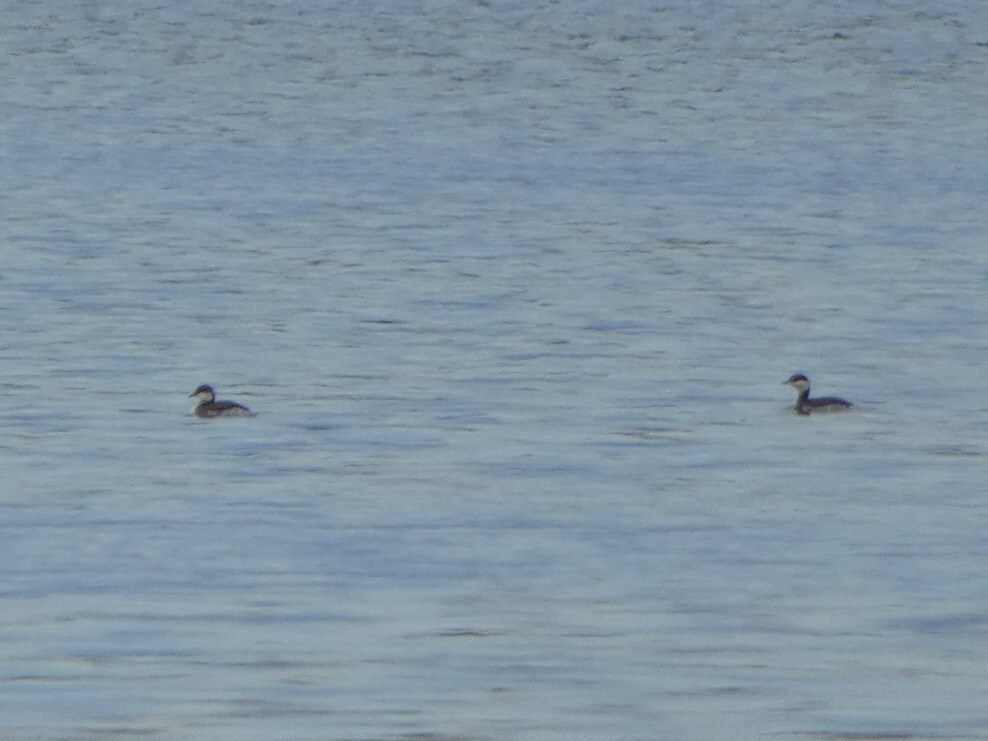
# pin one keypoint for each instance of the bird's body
(209, 407)
(805, 405)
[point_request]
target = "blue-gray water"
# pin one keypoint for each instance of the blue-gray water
(513, 288)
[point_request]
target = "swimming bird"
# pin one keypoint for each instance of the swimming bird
(209, 407)
(805, 405)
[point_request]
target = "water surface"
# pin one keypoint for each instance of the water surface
(513, 289)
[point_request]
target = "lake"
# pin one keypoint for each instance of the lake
(513, 288)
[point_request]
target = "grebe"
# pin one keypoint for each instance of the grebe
(806, 405)
(209, 407)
